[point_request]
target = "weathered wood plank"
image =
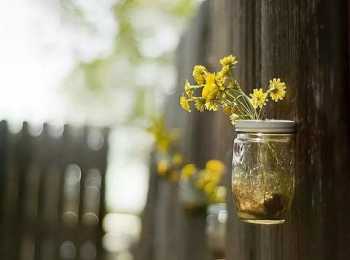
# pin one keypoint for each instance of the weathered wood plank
(291, 40)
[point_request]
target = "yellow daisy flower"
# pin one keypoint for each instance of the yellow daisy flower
(199, 73)
(163, 143)
(177, 159)
(277, 89)
(218, 195)
(258, 98)
(185, 104)
(220, 80)
(210, 89)
(200, 104)
(188, 171)
(225, 70)
(209, 188)
(215, 166)
(228, 61)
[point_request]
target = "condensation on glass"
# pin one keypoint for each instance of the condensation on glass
(263, 172)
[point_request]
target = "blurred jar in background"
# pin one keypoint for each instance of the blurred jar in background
(216, 229)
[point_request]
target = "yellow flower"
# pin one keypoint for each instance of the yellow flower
(163, 143)
(209, 188)
(211, 106)
(228, 61)
(201, 181)
(200, 104)
(188, 89)
(258, 98)
(185, 104)
(188, 171)
(225, 70)
(210, 89)
(220, 80)
(177, 159)
(215, 166)
(162, 167)
(163, 137)
(199, 73)
(277, 89)
(219, 195)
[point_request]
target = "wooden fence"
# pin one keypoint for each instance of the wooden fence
(52, 192)
(307, 44)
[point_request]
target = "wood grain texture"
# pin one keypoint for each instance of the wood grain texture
(291, 41)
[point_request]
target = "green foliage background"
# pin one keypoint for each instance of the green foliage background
(99, 81)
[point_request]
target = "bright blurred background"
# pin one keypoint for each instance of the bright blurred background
(101, 63)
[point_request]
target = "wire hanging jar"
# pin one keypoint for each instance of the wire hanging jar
(263, 173)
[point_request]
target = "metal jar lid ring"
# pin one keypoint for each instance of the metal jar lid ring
(265, 126)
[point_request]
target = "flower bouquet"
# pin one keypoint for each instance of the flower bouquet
(167, 157)
(198, 187)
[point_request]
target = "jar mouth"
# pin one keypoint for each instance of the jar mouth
(265, 126)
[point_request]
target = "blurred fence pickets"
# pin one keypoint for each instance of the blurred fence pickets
(52, 192)
(168, 231)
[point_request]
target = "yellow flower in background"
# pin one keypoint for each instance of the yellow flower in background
(209, 187)
(185, 104)
(210, 88)
(202, 179)
(218, 195)
(162, 167)
(168, 160)
(188, 171)
(177, 159)
(163, 143)
(215, 166)
(199, 104)
(228, 61)
(188, 89)
(163, 137)
(258, 98)
(199, 74)
(277, 89)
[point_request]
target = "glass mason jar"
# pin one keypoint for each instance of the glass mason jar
(263, 172)
(216, 229)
